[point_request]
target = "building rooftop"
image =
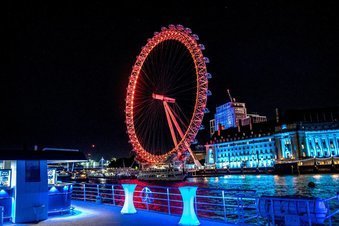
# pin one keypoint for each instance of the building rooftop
(269, 128)
(308, 126)
(260, 129)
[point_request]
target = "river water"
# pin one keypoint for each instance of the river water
(326, 185)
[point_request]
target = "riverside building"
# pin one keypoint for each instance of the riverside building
(233, 114)
(263, 145)
(249, 148)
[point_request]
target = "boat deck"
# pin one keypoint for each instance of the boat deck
(92, 214)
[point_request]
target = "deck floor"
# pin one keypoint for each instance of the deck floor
(92, 214)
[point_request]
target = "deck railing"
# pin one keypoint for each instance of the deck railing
(231, 206)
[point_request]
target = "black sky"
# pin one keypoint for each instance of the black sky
(69, 63)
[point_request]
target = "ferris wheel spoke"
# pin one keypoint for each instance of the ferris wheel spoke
(165, 70)
(155, 139)
(142, 102)
(180, 69)
(181, 117)
(149, 114)
(182, 90)
(174, 54)
(150, 82)
(177, 59)
(185, 84)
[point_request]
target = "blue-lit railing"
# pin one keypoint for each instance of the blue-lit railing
(231, 206)
(227, 205)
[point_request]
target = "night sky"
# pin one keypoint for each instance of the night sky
(69, 63)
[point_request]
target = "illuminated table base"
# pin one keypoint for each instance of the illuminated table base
(188, 216)
(128, 207)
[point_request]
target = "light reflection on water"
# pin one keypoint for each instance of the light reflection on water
(327, 185)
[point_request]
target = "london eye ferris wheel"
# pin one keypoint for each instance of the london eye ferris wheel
(166, 95)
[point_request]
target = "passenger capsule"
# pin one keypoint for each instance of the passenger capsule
(196, 37)
(171, 27)
(188, 30)
(208, 75)
(195, 141)
(180, 27)
(206, 60)
(206, 110)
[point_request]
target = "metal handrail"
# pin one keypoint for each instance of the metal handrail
(234, 205)
(165, 199)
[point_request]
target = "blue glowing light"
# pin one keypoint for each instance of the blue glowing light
(3, 193)
(188, 216)
(53, 189)
(65, 188)
(146, 195)
(128, 207)
(263, 151)
(245, 153)
(78, 214)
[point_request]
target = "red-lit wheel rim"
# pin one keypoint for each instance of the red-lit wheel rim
(189, 41)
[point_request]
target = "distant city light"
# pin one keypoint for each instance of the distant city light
(317, 176)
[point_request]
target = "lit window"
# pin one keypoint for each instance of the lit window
(331, 144)
(324, 144)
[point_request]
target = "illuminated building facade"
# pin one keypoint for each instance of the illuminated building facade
(253, 146)
(307, 140)
(250, 151)
(229, 114)
(263, 147)
(233, 114)
(310, 133)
